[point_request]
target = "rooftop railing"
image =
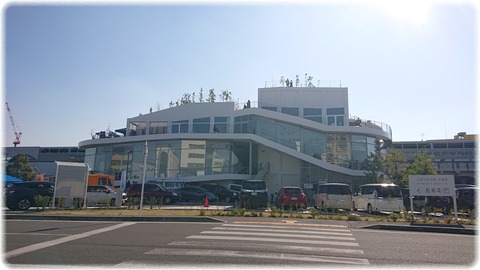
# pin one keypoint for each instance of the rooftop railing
(370, 124)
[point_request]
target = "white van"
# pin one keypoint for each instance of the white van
(168, 184)
(378, 197)
(333, 196)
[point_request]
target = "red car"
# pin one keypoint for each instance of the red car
(290, 196)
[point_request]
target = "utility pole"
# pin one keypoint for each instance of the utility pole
(145, 154)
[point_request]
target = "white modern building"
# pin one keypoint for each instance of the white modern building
(299, 136)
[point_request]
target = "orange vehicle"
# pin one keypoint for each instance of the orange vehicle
(101, 179)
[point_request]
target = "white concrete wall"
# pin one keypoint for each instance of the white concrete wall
(284, 169)
(305, 97)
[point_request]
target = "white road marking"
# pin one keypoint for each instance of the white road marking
(62, 240)
(41, 234)
(290, 227)
(296, 241)
(281, 235)
(277, 230)
(248, 254)
(248, 246)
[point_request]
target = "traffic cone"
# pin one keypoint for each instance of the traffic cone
(206, 202)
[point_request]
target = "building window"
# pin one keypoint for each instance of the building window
(313, 114)
(221, 125)
(331, 120)
(201, 125)
(290, 111)
(269, 108)
(336, 116)
(158, 127)
(180, 126)
(138, 128)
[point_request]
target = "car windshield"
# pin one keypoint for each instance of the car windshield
(338, 189)
(254, 185)
(293, 191)
(392, 191)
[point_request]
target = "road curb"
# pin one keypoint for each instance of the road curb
(454, 229)
(115, 218)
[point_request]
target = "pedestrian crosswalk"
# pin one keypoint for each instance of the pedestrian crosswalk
(307, 244)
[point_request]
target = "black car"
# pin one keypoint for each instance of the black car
(253, 194)
(196, 194)
(426, 204)
(21, 195)
(157, 192)
(223, 193)
(466, 198)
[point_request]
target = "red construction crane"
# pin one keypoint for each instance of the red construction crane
(18, 134)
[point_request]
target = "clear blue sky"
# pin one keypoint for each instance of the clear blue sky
(70, 69)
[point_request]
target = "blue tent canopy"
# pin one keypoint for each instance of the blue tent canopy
(11, 179)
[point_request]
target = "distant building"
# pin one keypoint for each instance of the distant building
(43, 158)
(455, 156)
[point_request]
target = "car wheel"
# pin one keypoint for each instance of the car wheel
(112, 202)
(228, 199)
(24, 204)
(369, 209)
(167, 200)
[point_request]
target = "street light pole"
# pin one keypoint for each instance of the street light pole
(145, 154)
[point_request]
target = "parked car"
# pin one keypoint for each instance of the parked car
(466, 198)
(253, 194)
(333, 196)
(196, 194)
(378, 197)
(101, 194)
(424, 204)
(155, 191)
(235, 188)
(20, 195)
(223, 193)
(169, 184)
(291, 196)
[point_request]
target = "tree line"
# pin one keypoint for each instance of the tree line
(394, 167)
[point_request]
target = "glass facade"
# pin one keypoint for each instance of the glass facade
(345, 150)
(169, 158)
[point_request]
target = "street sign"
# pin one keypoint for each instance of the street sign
(307, 186)
(432, 185)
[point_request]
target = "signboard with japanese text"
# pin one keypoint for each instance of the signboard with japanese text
(307, 186)
(432, 185)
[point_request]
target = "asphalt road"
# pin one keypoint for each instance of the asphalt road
(233, 243)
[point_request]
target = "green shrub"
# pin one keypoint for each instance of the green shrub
(273, 212)
(394, 217)
(449, 219)
(352, 217)
(313, 212)
(42, 201)
(151, 201)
